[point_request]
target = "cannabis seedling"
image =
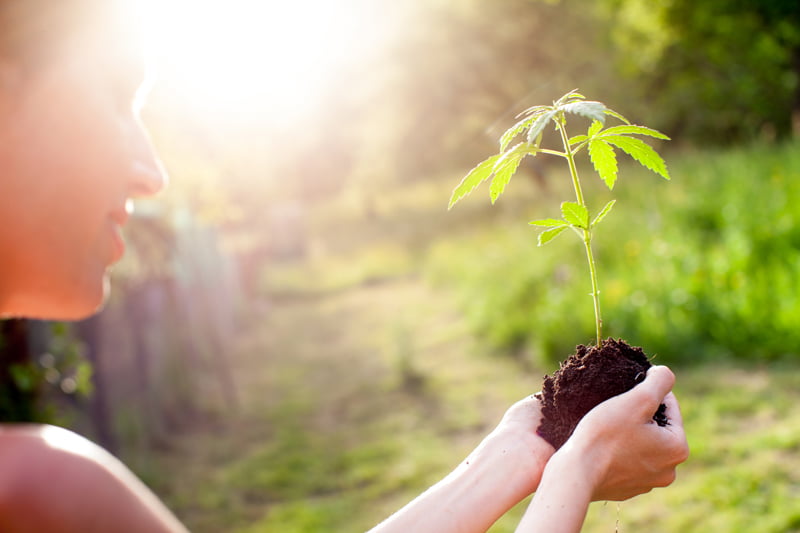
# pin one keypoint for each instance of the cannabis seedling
(600, 142)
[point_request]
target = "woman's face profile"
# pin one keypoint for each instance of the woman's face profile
(72, 154)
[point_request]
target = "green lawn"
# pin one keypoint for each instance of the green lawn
(381, 361)
(356, 401)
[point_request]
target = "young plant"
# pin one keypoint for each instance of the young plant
(599, 141)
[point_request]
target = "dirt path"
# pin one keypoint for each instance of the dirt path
(360, 397)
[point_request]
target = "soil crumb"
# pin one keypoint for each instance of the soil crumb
(587, 378)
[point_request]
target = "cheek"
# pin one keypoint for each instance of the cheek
(66, 181)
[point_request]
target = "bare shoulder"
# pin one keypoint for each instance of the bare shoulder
(42, 456)
(42, 468)
(52, 479)
(43, 439)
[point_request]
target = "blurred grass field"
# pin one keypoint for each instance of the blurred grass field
(381, 360)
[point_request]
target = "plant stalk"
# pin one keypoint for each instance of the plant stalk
(587, 234)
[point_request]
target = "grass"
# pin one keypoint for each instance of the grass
(703, 267)
(334, 438)
(371, 374)
(340, 391)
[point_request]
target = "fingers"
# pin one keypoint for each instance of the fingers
(680, 448)
(526, 413)
(525, 407)
(673, 410)
(660, 381)
(650, 393)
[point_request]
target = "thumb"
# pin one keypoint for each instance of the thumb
(651, 392)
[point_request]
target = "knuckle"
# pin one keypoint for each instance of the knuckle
(681, 453)
(665, 479)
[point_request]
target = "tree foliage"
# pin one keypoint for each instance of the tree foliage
(718, 71)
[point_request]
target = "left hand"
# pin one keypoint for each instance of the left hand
(516, 447)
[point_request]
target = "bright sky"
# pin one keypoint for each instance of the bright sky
(234, 55)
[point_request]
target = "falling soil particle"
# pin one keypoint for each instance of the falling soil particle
(587, 378)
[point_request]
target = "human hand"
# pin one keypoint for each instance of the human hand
(515, 443)
(623, 451)
(505, 468)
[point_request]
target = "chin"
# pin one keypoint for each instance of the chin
(89, 303)
(78, 303)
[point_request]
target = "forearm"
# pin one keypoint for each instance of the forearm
(474, 495)
(561, 502)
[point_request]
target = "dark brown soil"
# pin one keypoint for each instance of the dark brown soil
(585, 379)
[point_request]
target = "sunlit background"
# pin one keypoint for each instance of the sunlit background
(277, 60)
(302, 337)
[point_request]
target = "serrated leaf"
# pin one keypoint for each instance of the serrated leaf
(533, 110)
(633, 129)
(604, 161)
(537, 142)
(572, 95)
(602, 214)
(616, 115)
(575, 214)
(592, 110)
(577, 139)
(595, 127)
(473, 178)
(641, 152)
(548, 222)
(513, 131)
(505, 167)
(550, 234)
(538, 125)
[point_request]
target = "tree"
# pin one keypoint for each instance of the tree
(721, 70)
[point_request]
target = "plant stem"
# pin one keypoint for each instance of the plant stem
(587, 243)
(587, 232)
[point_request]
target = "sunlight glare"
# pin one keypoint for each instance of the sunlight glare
(242, 55)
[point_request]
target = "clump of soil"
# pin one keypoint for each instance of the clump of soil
(587, 378)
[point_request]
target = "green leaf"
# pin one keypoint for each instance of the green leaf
(548, 222)
(83, 378)
(592, 110)
(617, 116)
(24, 377)
(633, 129)
(600, 216)
(604, 160)
(591, 132)
(473, 178)
(575, 214)
(641, 152)
(577, 139)
(595, 127)
(572, 95)
(505, 167)
(538, 126)
(513, 131)
(548, 235)
(535, 110)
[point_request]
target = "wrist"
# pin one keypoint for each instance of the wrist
(516, 457)
(563, 497)
(581, 462)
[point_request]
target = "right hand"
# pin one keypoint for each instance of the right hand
(623, 451)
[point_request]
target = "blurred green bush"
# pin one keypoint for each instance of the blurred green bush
(706, 266)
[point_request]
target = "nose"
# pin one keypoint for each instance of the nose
(147, 174)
